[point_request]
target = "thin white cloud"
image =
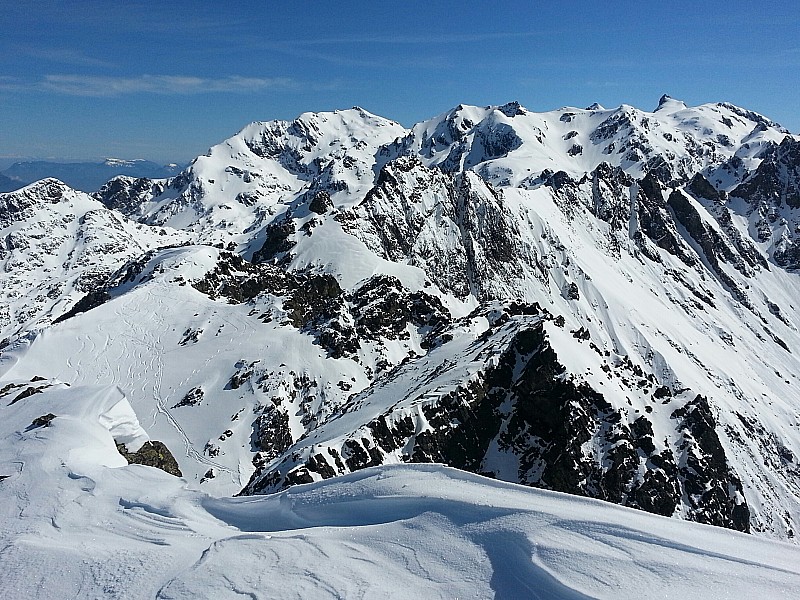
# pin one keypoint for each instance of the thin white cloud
(93, 85)
(391, 40)
(10, 84)
(64, 56)
(105, 86)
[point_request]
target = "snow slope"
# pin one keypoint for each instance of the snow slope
(77, 522)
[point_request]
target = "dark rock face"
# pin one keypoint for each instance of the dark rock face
(26, 390)
(491, 237)
(512, 109)
(361, 454)
(192, 398)
(713, 489)
(239, 280)
(321, 203)
(657, 224)
(43, 421)
(714, 246)
(611, 195)
(26, 393)
(383, 308)
(659, 491)
(271, 434)
(562, 434)
(393, 216)
(699, 186)
(777, 178)
(493, 142)
(124, 194)
(315, 303)
(152, 454)
(773, 193)
(454, 227)
(88, 302)
(313, 300)
(277, 243)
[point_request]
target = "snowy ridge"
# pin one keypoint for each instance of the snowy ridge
(598, 301)
(237, 187)
(76, 521)
(59, 245)
(506, 143)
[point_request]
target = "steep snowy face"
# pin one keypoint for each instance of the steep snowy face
(593, 301)
(238, 186)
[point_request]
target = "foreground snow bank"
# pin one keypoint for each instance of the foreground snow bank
(431, 531)
(76, 522)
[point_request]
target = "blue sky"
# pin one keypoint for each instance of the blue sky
(166, 80)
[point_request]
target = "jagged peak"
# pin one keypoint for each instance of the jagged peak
(27, 201)
(48, 185)
(512, 109)
(668, 103)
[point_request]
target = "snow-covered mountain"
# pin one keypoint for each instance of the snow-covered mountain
(595, 301)
(85, 176)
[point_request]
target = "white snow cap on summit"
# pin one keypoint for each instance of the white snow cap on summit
(669, 104)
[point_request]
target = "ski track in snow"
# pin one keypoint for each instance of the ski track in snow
(154, 347)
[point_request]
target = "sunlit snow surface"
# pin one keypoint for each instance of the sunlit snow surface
(76, 523)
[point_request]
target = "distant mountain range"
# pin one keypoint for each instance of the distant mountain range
(83, 176)
(8, 185)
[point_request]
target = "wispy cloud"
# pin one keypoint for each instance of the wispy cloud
(446, 38)
(379, 51)
(64, 56)
(105, 86)
(12, 84)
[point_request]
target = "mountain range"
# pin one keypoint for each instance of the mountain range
(84, 176)
(594, 301)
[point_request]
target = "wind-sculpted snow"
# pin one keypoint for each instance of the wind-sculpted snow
(76, 521)
(597, 301)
